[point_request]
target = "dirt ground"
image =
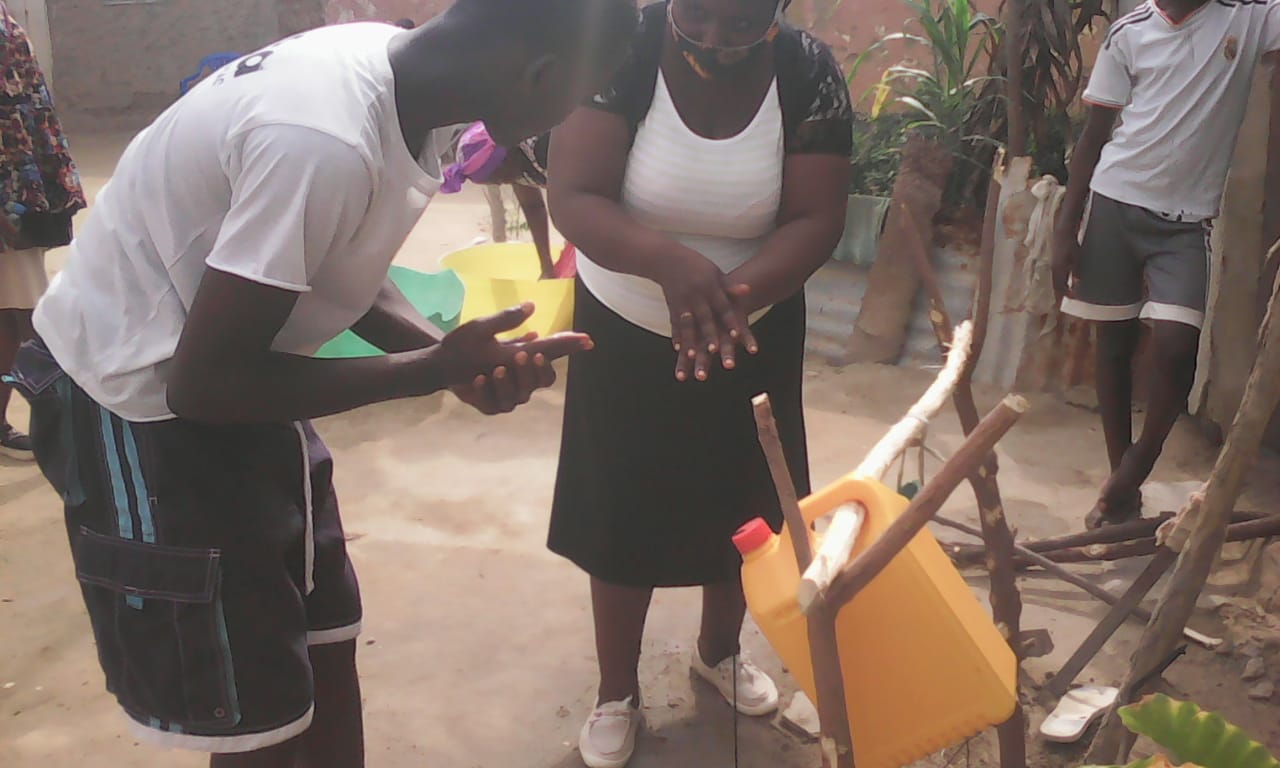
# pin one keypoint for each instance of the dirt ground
(477, 650)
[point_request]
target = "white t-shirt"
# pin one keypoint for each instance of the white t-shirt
(719, 197)
(287, 168)
(1183, 89)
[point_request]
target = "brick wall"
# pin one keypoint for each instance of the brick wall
(118, 65)
(384, 10)
(294, 16)
(848, 27)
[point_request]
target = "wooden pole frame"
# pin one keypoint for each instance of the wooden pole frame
(1244, 526)
(1043, 561)
(836, 740)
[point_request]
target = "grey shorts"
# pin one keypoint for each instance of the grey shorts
(1135, 263)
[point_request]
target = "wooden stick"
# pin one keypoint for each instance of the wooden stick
(881, 457)
(1006, 602)
(1014, 61)
(837, 543)
(771, 443)
(1259, 528)
(833, 714)
(965, 554)
(1245, 526)
(1102, 553)
(870, 563)
(986, 269)
(1261, 396)
(1137, 592)
(1053, 568)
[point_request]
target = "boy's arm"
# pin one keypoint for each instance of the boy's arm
(296, 197)
(1110, 88)
(1084, 159)
(392, 324)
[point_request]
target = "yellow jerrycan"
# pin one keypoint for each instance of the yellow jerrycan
(924, 666)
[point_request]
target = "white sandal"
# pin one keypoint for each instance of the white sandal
(1078, 710)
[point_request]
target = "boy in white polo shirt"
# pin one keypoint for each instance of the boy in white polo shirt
(173, 381)
(1132, 242)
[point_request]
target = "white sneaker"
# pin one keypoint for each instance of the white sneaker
(609, 736)
(757, 695)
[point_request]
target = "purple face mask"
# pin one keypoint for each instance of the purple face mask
(478, 158)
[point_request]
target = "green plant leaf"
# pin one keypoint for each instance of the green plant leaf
(1194, 735)
(916, 104)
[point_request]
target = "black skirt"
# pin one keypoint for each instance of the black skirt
(656, 475)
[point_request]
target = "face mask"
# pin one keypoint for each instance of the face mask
(711, 62)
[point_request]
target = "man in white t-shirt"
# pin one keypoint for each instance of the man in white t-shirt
(1172, 79)
(172, 382)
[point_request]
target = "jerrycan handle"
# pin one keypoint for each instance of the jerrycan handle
(850, 490)
(850, 501)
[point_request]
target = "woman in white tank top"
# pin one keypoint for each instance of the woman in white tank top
(702, 189)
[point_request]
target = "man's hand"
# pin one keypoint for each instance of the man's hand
(495, 376)
(1066, 252)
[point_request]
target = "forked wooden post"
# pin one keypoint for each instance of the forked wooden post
(833, 714)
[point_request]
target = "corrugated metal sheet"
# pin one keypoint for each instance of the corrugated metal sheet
(1017, 353)
(958, 280)
(835, 298)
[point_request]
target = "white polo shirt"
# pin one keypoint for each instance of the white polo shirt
(1182, 89)
(287, 168)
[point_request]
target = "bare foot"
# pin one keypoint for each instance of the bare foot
(1121, 497)
(1106, 513)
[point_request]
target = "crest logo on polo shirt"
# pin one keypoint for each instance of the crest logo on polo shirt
(1231, 48)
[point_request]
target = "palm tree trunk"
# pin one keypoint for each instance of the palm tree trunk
(881, 328)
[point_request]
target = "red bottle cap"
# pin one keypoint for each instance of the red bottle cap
(752, 536)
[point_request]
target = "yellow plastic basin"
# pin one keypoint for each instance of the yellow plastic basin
(502, 275)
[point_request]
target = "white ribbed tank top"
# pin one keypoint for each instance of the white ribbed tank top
(719, 197)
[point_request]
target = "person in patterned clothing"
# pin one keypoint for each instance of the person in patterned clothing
(39, 193)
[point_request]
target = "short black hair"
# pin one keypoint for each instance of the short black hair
(555, 26)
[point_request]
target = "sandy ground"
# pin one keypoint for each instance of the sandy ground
(477, 649)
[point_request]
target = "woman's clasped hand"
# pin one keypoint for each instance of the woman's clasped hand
(709, 314)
